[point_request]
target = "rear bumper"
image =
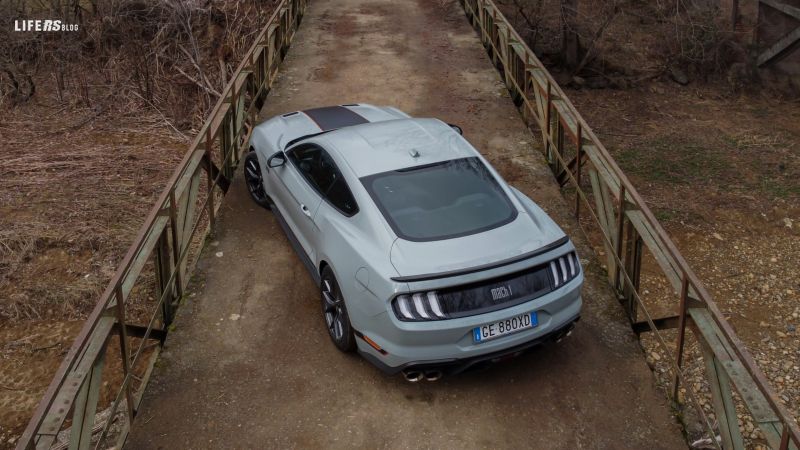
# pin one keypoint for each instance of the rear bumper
(457, 365)
(448, 345)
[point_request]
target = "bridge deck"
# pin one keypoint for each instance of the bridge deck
(272, 378)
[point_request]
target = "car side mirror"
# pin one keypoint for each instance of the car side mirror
(457, 129)
(276, 160)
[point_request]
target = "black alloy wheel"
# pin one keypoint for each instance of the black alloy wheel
(335, 313)
(254, 180)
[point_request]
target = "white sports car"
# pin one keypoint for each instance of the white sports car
(427, 261)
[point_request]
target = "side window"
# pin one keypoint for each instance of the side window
(340, 197)
(319, 169)
(315, 165)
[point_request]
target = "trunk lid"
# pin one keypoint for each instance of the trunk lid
(523, 235)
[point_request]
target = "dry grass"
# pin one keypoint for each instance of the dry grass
(85, 157)
(71, 204)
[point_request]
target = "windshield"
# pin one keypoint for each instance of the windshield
(440, 201)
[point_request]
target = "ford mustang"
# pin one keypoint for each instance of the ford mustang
(427, 262)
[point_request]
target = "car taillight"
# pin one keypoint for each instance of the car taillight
(495, 293)
(418, 307)
(564, 269)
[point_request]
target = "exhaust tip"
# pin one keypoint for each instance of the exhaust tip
(433, 375)
(412, 376)
(565, 333)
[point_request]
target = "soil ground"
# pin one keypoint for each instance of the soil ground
(249, 362)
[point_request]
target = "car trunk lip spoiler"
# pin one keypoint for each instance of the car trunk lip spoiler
(483, 267)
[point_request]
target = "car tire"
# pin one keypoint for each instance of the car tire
(334, 313)
(254, 180)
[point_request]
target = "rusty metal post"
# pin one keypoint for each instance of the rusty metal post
(548, 131)
(176, 244)
(578, 174)
(631, 263)
(123, 348)
(163, 274)
(681, 334)
(620, 225)
(508, 66)
(494, 40)
(209, 179)
(86, 405)
(784, 445)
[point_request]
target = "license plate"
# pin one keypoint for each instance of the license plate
(504, 327)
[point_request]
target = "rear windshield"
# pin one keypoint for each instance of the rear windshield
(440, 201)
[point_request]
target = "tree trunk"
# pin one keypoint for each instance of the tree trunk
(570, 45)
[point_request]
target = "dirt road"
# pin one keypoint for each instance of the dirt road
(249, 363)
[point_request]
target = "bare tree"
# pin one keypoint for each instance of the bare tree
(570, 42)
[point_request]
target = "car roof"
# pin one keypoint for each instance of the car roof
(383, 146)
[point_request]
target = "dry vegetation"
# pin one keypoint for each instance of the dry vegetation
(93, 119)
(619, 43)
(93, 123)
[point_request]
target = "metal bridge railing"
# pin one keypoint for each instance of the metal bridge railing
(157, 265)
(627, 227)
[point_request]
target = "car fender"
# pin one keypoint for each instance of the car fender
(537, 214)
(352, 254)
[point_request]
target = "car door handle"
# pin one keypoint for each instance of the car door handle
(305, 209)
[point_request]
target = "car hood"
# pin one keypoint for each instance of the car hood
(523, 235)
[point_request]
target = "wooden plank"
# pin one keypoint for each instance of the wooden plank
(722, 398)
(667, 264)
(779, 47)
(567, 118)
(195, 162)
(216, 122)
(241, 79)
(86, 406)
(65, 398)
(789, 10)
(141, 258)
(606, 175)
(538, 75)
(519, 49)
(186, 223)
(502, 45)
(606, 216)
(755, 401)
(163, 271)
(711, 333)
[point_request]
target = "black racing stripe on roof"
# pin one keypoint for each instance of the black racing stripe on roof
(332, 117)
